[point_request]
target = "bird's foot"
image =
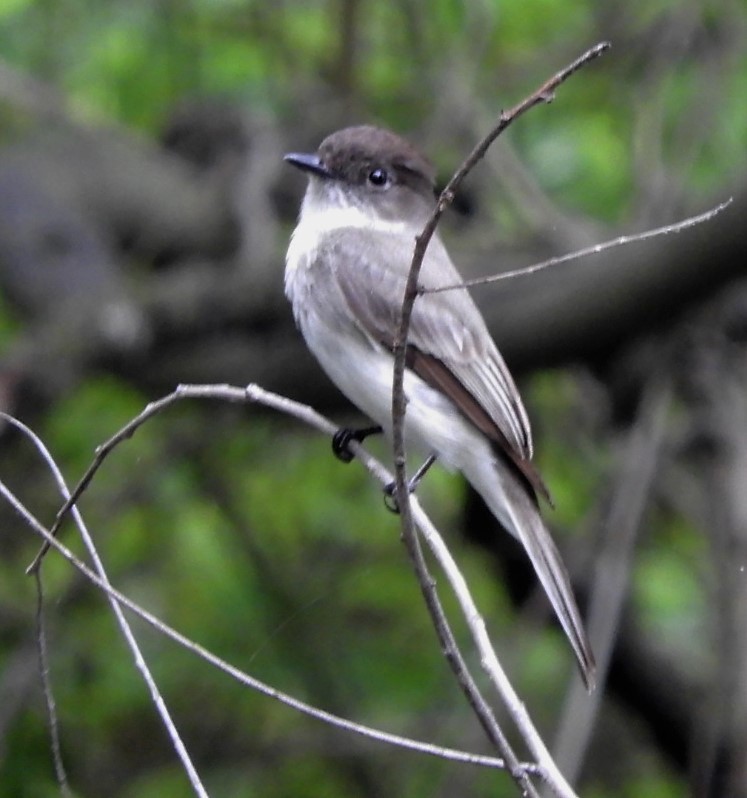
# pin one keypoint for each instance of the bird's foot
(390, 490)
(341, 440)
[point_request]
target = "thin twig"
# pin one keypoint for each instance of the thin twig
(49, 700)
(545, 93)
(595, 249)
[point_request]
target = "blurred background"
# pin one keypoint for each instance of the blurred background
(144, 215)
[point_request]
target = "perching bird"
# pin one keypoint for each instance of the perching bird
(370, 193)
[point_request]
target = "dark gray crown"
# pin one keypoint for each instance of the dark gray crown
(351, 154)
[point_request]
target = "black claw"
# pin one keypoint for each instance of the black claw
(340, 444)
(390, 499)
(341, 440)
(390, 490)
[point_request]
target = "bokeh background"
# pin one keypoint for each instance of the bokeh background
(144, 215)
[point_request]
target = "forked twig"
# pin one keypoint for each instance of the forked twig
(102, 452)
(545, 93)
(127, 633)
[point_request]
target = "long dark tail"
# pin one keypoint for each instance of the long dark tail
(516, 509)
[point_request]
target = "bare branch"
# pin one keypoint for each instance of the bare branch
(595, 249)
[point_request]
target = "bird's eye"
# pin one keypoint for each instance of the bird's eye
(378, 177)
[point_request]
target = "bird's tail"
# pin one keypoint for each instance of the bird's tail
(515, 508)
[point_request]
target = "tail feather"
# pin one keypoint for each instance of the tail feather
(517, 510)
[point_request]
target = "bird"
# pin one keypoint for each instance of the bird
(369, 194)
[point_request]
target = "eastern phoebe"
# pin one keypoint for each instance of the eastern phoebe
(369, 194)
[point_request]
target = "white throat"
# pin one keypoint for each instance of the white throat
(335, 217)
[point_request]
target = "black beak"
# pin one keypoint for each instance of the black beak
(308, 162)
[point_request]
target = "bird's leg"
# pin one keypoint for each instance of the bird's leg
(390, 500)
(343, 436)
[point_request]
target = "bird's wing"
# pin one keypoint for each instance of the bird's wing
(449, 346)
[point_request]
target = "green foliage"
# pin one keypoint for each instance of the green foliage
(9, 8)
(571, 462)
(649, 786)
(669, 593)
(84, 420)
